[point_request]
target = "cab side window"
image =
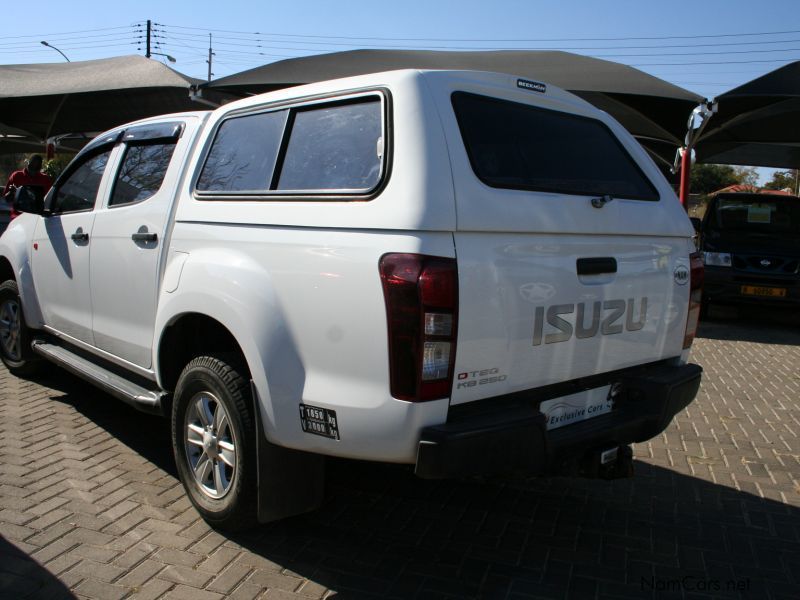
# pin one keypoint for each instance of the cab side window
(332, 148)
(79, 191)
(142, 173)
(244, 153)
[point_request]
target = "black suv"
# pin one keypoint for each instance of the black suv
(5, 215)
(751, 249)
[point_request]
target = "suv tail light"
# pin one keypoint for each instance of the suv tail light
(421, 295)
(695, 297)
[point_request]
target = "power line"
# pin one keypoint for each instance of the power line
(38, 51)
(191, 37)
(39, 35)
(731, 62)
(695, 54)
(669, 37)
(687, 63)
(61, 39)
(224, 45)
(76, 46)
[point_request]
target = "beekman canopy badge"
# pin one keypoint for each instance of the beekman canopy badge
(534, 86)
(681, 275)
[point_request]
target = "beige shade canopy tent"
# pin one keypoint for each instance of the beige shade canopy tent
(51, 99)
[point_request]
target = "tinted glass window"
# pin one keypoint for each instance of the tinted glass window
(513, 145)
(243, 154)
(141, 173)
(334, 148)
(757, 215)
(79, 190)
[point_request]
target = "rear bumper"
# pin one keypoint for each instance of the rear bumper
(516, 439)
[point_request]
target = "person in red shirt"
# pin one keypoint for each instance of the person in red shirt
(30, 175)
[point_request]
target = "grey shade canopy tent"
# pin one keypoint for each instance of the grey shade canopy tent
(757, 123)
(16, 140)
(50, 99)
(653, 110)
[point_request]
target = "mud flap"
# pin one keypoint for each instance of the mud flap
(290, 482)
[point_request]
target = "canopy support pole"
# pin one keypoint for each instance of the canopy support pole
(703, 112)
(686, 175)
(55, 115)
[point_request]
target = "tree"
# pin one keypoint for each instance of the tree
(8, 164)
(53, 167)
(746, 176)
(710, 178)
(782, 180)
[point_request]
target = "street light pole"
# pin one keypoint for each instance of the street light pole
(169, 58)
(56, 49)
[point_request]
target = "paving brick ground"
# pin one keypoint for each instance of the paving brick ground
(90, 506)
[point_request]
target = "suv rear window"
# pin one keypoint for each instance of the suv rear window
(517, 146)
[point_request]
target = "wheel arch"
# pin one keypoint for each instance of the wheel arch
(230, 297)
(190, 335)
(15, 263)
(6, 270)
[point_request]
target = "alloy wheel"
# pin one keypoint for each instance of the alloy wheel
(210, 444)
(11, 329)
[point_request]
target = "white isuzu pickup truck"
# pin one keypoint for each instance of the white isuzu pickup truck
(466, 272)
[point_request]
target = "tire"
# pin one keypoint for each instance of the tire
(15, 336)
(214, 441)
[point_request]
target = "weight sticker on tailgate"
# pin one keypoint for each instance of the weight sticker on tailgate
(319, 421)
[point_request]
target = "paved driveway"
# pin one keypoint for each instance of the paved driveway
(90, 506)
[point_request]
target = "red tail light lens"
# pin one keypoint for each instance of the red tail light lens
(695, 298)
(421, 295)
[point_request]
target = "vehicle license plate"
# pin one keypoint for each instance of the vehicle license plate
(772, 292)
(577, 407)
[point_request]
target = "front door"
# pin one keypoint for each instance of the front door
(62, 243)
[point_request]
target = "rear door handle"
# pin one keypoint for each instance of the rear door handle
(596, 266)
(80, 236)
(144, 237)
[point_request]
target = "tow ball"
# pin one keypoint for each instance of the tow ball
(609, 462)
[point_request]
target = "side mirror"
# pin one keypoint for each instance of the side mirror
(696, 223)
(29, 199)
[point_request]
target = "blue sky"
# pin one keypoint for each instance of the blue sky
(708, 47)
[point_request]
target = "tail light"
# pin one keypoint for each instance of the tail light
(421, 295)
(695, 297)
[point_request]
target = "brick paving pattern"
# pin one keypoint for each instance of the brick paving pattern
(90, 506)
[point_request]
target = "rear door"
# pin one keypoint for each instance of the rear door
(129, 235)
(572, 250)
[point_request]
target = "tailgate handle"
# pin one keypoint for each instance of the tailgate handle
(596, 266)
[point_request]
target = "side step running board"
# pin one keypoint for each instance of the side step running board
(119, 387)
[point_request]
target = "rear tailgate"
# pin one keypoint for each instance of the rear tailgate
(552, 286)
(528, 319)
